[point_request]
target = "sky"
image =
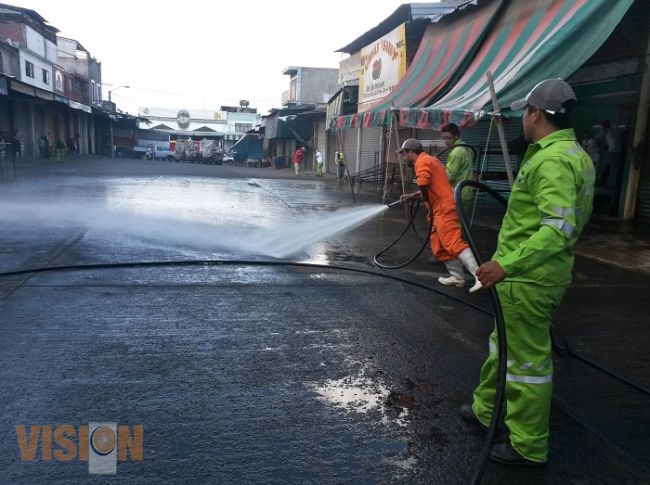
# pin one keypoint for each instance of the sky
(203, 54)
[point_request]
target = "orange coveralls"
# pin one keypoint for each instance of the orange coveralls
(446, 238)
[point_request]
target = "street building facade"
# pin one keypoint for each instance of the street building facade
(51, 88)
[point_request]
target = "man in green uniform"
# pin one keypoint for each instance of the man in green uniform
(550, 204)
(460, 161)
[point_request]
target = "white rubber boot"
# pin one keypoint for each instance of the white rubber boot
(456, 277)
(468, 260)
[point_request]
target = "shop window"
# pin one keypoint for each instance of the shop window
(58, 80)
(29, 69)
(243, 127)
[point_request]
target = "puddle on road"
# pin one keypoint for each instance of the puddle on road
(406, 464)
(361, 395)
(356, 394)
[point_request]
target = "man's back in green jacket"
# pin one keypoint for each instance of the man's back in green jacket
(550, 203)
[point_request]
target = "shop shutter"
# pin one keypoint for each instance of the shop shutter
(370, 148)
(476, 136)
(350, 148)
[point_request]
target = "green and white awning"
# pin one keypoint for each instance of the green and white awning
(521, 42)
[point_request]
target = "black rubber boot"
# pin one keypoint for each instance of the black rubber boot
(505, 454)
(468, 415)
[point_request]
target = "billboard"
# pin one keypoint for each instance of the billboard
(383, 63)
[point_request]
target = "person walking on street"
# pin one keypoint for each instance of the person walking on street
(298, 158)
(460, 161)
(590, 144)
(447, 242)
(550, 203)
(318, 157)
(41, 147)
(339, 158)
(60, 148)
(15, 147)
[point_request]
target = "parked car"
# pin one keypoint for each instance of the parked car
(228, 159)
(165, 154)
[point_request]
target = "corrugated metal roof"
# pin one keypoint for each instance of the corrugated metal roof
(407, 12)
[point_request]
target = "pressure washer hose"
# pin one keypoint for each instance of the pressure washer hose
(500, 327)
(413, 211)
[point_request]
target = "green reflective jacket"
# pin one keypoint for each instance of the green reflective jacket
(460, 166)
(550, 204)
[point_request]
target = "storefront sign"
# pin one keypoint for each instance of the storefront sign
(22, 88)
(183, 119)
(43, 94)
(79, 106)
(383, 64)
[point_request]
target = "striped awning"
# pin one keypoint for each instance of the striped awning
(529, 41)
(534, 40)
(444, 52)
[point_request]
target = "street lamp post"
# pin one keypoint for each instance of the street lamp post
(110, 100)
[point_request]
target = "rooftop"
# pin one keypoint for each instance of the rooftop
(293, 70)
(407, 12)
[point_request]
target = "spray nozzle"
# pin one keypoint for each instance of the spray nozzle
(393, 204)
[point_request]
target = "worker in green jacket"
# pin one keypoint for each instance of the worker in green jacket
(460, 161)
(550, 204)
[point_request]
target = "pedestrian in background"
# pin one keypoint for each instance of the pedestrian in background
(298, 158)
(318, 157)
(460, 161)
(41, 147)
(590, 144)
(15, 146)
(610, 156)
(339, 158)
(60, 148)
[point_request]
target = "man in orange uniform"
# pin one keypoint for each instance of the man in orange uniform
(447, 242)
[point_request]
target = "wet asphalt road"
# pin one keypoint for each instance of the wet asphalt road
(242, 374)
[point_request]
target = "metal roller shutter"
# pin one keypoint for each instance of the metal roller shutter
(431, 141)
(332, 147)
(350, 138)
(477, 136)
(370, 148)
(321, 138)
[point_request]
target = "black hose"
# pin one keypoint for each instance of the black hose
(560, 343)
(500, 327)
(413, 211)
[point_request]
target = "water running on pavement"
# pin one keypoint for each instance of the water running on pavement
(280, 241)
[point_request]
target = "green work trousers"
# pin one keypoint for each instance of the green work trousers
(527, 311)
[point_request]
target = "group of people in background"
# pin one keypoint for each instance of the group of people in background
(605, 150)
(12, 146)
(299, 158)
